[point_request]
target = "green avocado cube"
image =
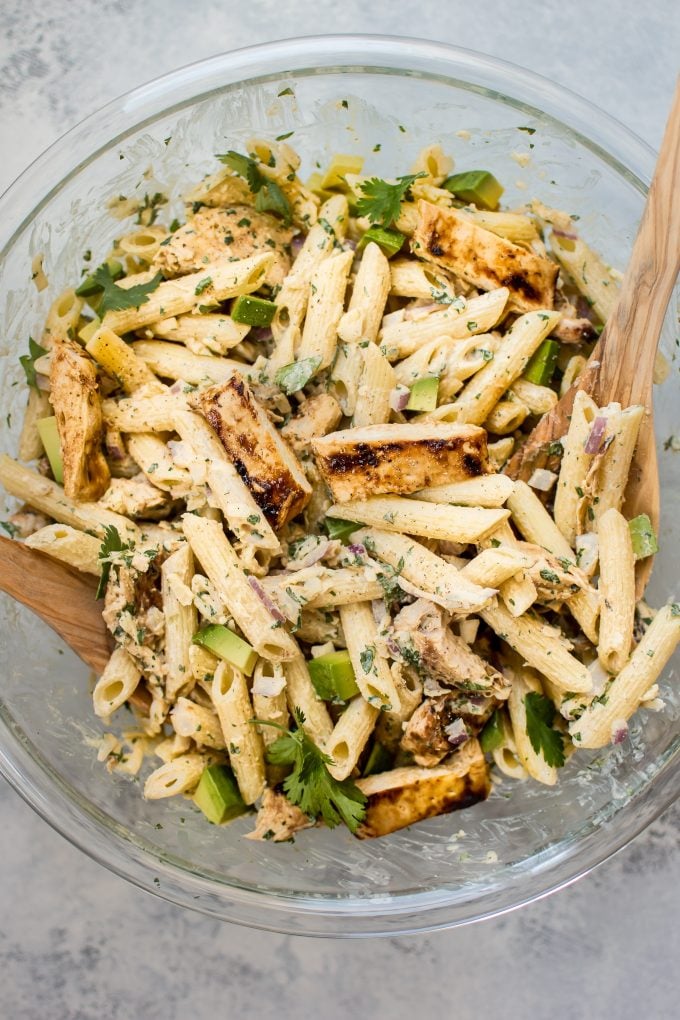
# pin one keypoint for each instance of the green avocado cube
(492, 736)
(333, 676)
(389, 241)
(217, 795)
(379, 760)
(227, 645)
(478, 186)
(49, 437)
(424, 394)
(253, 311)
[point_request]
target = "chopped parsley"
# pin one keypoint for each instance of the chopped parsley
(550, 576)
(366, 658)
(380, 201)
(540, 713)
(310, 785)
(268, 195)
(115, 298)
(203, 285)
(28, 361)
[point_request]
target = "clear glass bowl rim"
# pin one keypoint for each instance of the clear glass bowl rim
(60, 805)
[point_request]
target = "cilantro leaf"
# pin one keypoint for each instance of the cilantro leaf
(366, 658)
(115, 298)
(270, 197)
(310, 785)
(540, 713)
(112, 543)
(380, 200)
(28, 361)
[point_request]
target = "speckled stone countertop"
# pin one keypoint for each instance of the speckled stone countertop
(77, 942)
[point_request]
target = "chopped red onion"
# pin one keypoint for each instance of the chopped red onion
(393, 648)
(600, 677)
(260, 334)
(312, 557)
(399, 397)
(594, 441)
(569, 234)
(265, 599)
(357, 549)
(296, 244)
(456, 733)
(349, 244)
(42, 382)
(177, 387)
(619, 731)
(268, 686)
(587, 551)
(542, 480)
(379, 610)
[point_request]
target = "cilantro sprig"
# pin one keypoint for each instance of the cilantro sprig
(112, 543)
(310, 785)
(540, 713)
(115, 298)
(268, 195)
(380, 200)
(28, 361)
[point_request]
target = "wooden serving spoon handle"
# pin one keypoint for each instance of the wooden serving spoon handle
(621, 366)
(61, 597)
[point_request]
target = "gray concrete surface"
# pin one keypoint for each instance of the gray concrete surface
(76, 942)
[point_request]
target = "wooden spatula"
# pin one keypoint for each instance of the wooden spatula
(622, 363)
(65, 600)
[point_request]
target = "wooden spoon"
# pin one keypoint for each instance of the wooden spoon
(65, 600)
(622, 363)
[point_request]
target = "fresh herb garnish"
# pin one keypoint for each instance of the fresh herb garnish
(310, 785)
(380, 201)
(268, 195)
(115, 298)
(28, 361)
(540, 713)
(112, 543)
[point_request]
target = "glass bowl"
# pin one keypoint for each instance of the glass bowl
(385, 98)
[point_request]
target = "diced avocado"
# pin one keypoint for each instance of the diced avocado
(541, 364)
(492, 736)
(217, 795)
(338, 168)
(340, 529)
(315, 184)
(87, 332)
(293, 377)
(89, 286)
(379, 760)
(253, 311)
(389, 241)
(333, 676)
(227, 645)
(478, 186)
(49, 437)
(642, 537)
(424, 394)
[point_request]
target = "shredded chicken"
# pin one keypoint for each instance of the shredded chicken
(426, 643)
(27, 521)
(425, 734)
(317, 417)
(136, 497)
(236, 232)
(574, 331)
(556, 579)
(77, 406)
(278, 819)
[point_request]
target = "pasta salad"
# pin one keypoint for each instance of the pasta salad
(275, 434)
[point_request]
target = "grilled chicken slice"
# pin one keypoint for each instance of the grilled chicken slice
(137, 497)
(236, 232)
(77, 406)
(278, 819)
(441, 724)
(408, 795)
(439, 656)
(262, 458)
(363, 462)
(483, 258)
(316, 418)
